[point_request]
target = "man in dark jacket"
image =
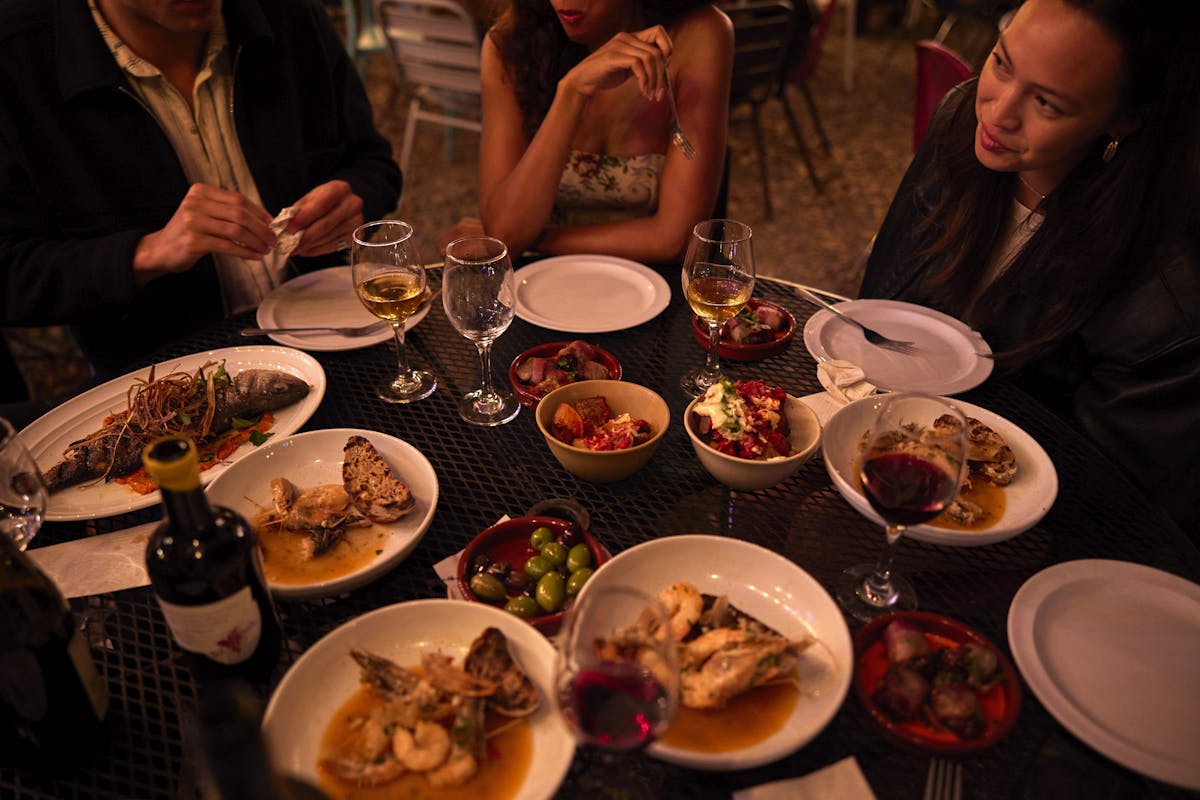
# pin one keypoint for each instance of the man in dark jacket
(118, 213)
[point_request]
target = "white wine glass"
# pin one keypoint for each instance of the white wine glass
(389, 279)
(23, 493)
(718, 279)
(617, 673)
(911, 469)
(478, 294)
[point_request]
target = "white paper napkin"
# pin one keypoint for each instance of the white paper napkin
(844, 380)
(842, 780)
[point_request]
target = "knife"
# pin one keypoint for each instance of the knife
(109, 562)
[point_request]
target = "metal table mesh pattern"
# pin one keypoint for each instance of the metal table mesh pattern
(484, 473)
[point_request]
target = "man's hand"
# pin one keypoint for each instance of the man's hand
(208, 220)
(328, 215)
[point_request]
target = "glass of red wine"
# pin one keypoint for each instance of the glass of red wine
(911, 468)
(617, 677)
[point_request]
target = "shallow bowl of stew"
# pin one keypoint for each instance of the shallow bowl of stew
(528, 394)
(605, 466)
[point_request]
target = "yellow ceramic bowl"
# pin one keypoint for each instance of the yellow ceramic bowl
(605, 466)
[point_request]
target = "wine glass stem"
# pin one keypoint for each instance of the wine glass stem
(401, 358)
(485, 366)
(713, 364)
(878, 585)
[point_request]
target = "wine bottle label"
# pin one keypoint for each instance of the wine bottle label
(226, 631)
(89, 678)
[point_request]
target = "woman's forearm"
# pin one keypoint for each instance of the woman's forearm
(649, 239)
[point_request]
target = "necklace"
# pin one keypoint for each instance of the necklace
(1029, 186)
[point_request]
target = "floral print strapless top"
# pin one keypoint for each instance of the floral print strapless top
(602, 188)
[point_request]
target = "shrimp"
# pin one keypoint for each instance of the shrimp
(683, 604)
(459, 768)
(364, 773)
(422, 749)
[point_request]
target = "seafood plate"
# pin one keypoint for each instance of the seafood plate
(778, 594)
(327, 675)
(53, 433)
(314, 460)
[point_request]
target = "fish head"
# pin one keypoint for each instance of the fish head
(271, 389)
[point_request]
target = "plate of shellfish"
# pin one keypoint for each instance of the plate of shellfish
(765, 655)
(1009, 485)
(331, 509)
(429, 698)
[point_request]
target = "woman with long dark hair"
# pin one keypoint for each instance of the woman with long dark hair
(1054, 207)
(575, 154)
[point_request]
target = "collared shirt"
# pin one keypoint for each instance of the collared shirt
(204, 137)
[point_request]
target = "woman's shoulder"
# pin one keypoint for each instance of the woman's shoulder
(701, 30)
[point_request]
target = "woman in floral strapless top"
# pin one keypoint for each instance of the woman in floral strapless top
(576, 154)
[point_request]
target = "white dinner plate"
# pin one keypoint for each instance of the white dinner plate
(323, 298)
(49, 435)
(315, 459)
(770, 588)
(952, 358)
(1027, 498)
(1110, 648)
(589, 293)
(324, 677)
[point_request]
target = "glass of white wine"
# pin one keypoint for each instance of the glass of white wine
(478, 295)
(389, 278)
(23, 494)
(718, 279)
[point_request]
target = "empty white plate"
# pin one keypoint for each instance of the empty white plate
(589, 293)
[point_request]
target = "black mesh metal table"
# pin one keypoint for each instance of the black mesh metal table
(484, 473)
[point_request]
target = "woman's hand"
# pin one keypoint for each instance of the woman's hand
(641, 56)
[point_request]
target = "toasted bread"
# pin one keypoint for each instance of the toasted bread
(371, 485)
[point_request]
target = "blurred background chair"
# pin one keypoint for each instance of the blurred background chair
(364, 36)
(812, 27)
(762, 40)
(939, 69)
(434, 48)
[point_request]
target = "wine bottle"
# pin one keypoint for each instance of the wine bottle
(52, 699)
(206, 571)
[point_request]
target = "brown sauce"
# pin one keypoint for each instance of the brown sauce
(982, 492)
(746, 720)
(500, 775)
(283, 553)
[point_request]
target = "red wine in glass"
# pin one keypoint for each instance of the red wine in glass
(906, 489)
(617, 705)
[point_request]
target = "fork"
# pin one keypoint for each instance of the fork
(678, 137)
(362, 330)
(944, 781)
(874, 337)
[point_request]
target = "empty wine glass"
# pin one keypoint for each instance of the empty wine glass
(23, 493)
(478, 295)
(718, 279)
(617, 675)
(911, 469)
(390, 281)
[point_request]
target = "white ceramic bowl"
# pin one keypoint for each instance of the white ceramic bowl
(325, 677)
(1027, 498)
(314, 459)
(770, 588)
(748, 475)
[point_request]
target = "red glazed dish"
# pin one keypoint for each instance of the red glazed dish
(750, 352)
(525, 392)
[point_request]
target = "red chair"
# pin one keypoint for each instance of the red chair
(939, 69)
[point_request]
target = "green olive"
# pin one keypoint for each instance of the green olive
(577, 580)
(537, 566)
(555, 553)
(550, 592)
(522, 606)
(580, 556)
(488, 587)
(539, 537)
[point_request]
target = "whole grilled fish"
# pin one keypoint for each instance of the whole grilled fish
(116, 449)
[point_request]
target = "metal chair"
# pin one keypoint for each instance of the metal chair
(803, 63)
(434, 46)
(762, 38)
(939, 69)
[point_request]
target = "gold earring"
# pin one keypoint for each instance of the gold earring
(1110, 151)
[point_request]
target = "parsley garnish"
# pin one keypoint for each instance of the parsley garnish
(258, 438)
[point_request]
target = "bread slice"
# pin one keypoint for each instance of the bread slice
(372, 487)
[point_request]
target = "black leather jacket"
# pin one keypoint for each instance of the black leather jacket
(1129, 377)
(86, 171)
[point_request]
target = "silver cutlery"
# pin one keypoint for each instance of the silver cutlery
(678, 137)
(874, 337)
(362, 330)
(944, 781)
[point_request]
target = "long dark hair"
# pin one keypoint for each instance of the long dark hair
(534, 46)
(1105, 222)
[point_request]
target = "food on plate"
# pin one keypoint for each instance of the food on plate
(412, 732)
(932, 680)
(590, 424)
(331, 523)
(991, 465)
(576, 361)
(553, 571)
(208, 406)
(758, 322)
(744, 419)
